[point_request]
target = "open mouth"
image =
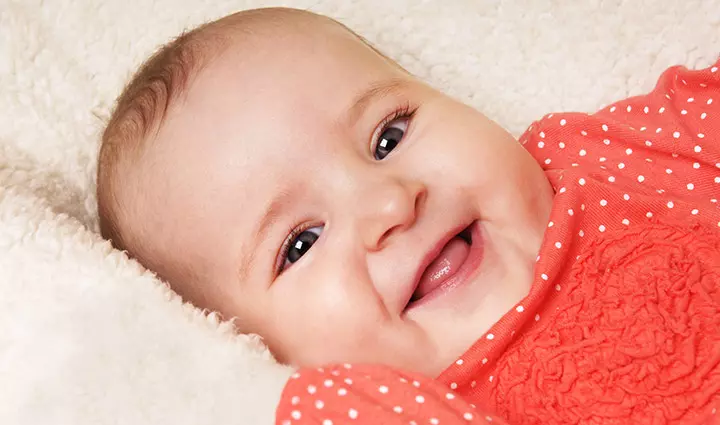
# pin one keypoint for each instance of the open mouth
(466, 235)
(451, 266)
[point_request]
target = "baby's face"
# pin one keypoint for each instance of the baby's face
(339, 207)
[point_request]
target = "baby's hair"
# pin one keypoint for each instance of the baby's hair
(155, 88)
(142, 107)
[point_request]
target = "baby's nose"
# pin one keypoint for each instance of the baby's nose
(386, 208)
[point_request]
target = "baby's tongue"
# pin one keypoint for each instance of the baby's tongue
(452, 256)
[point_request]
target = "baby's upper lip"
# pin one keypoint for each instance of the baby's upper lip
(429, 256)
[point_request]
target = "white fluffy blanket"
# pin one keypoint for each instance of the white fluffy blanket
(86, 335)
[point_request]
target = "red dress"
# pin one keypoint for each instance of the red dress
(622, 323)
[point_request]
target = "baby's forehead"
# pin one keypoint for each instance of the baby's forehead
(252, 49)
(312, 71)
(277, 30)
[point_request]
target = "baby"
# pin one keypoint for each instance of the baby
(275, 167)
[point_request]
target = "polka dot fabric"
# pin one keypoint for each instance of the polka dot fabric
(359, 394)
(622, 323)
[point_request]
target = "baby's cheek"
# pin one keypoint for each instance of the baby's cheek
(326, 325)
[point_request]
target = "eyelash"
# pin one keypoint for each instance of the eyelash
(292, 233)
(405, 111)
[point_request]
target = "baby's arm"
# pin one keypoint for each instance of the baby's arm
(359, 394)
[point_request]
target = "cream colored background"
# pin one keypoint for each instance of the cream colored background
(87, 336)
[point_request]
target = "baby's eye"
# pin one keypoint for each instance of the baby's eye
(390, 136)
(299, 244)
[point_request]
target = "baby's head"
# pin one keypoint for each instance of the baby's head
(274, 167)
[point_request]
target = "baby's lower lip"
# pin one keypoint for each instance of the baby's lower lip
(463, 275)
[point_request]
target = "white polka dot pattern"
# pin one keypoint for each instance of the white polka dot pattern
(377, 395)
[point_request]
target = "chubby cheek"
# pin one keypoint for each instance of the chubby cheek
(474, 152)
(324, 317)
(496, 174)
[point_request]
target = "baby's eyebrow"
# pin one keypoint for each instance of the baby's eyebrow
(269, 215)
(376, 91)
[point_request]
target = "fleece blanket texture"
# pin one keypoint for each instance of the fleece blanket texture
(87, 336)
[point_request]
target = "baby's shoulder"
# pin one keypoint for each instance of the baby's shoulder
(683, 103)
(665, 140)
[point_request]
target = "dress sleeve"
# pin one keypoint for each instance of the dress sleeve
(357, 394)
(664, 144)
(678, 129)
